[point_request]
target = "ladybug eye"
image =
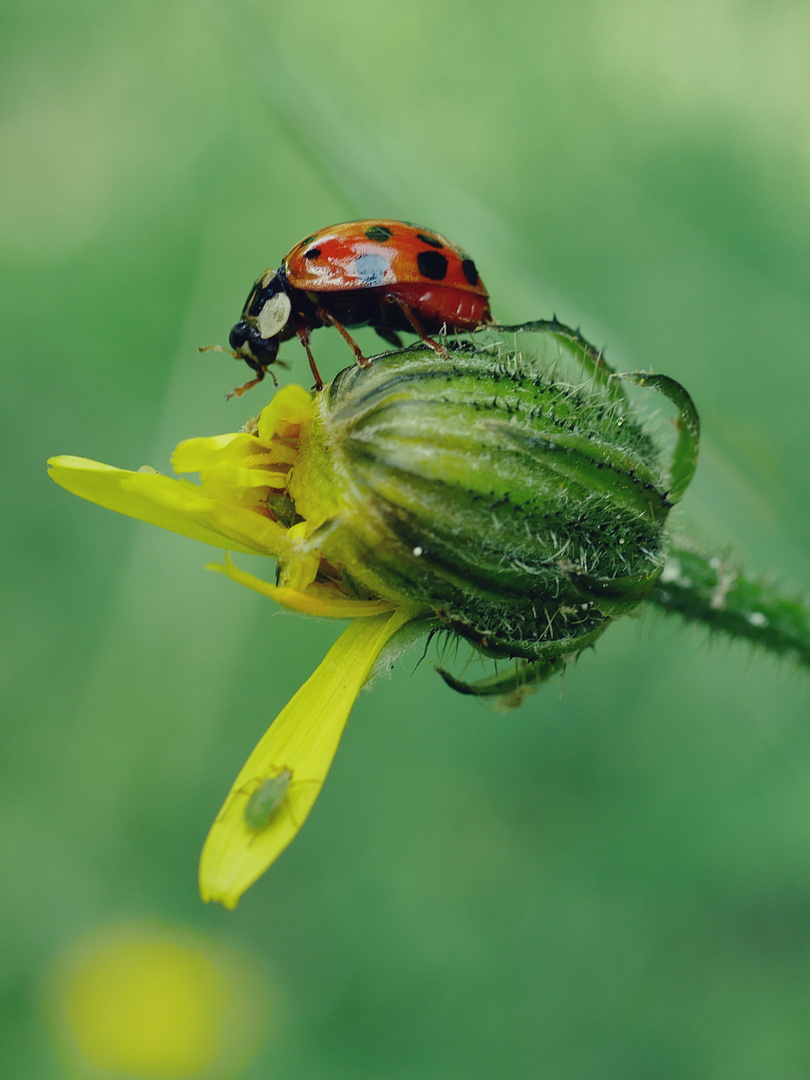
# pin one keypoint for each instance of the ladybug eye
(274, 315)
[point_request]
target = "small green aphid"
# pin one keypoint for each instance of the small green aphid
(266, 799)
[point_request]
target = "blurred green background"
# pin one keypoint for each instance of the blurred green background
(612, 882)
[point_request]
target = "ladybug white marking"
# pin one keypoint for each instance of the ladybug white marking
(274, 316)
(371, 268)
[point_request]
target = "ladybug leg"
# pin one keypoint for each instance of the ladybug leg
(262, 371)
(304, 336)
(239, 390)
(330, 320)
(219, 348)
(417, 326)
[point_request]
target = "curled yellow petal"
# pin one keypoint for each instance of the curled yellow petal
(198, 454)
(229, 451)
(176, 505)
(301, 742)
(317, 600)
(289, 408)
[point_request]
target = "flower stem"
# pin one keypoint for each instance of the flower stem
(711, 591)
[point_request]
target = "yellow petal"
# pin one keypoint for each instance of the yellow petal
(302, 739)
(196, 455)
(317, 600)
(176, 505)
(301, 567)
(200, 455)
(290, 407)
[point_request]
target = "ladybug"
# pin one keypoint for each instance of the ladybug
(389, 275)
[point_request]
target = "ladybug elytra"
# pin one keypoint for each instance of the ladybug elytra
(389, 275)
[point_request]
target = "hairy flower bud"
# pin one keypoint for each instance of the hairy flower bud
(512, 491)
(509, 489)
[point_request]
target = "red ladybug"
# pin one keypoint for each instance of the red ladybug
(385, 274)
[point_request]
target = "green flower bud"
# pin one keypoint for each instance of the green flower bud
(509, 487)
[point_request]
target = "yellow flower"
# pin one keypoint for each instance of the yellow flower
(489, 491)
(242, 505)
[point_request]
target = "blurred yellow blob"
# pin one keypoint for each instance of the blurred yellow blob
(162, 1004)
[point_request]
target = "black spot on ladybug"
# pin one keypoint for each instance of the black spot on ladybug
(313, 253)
(431, 265)
(378, 232)
(429, 240)
(469, 271)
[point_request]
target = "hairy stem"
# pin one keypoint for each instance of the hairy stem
(713, 592)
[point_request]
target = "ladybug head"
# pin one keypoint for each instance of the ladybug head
(264, 316)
